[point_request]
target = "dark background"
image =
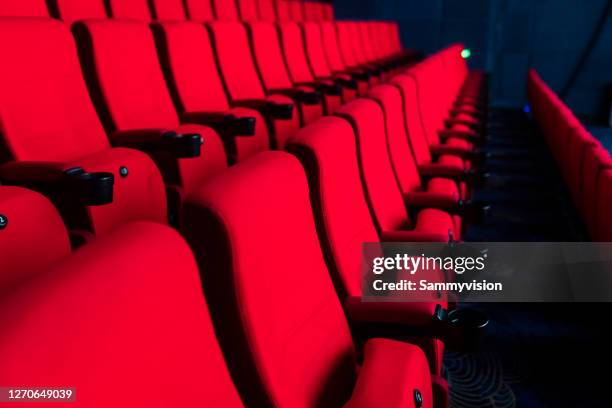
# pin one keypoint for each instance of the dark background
(508, 36)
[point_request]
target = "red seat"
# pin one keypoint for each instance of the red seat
(313, 46)
(29, 224)
(336, 61)
(79, 320)
(225, 10)
(199, 10)
(286, 318)
(266, 10)
(197, 89)
(72, 10)
(249, 10)
(23, 8)
(443, 191)
(130, 9)
(328, 152)
(448, 166)
(386, 201)
(130, 92)
(165, 10)
(283, 10)
(303, 73)
(274, 75)
(243, 83)
(51, 130)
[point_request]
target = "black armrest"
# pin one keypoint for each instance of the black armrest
(280, 111)
(223, 124)
(180, 145)
(359, 75)
(89, 189)
(326, 87)
(299, 95)
(469, 136)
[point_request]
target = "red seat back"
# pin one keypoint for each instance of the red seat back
(225, 10)
(288, 348)
(23, 8)
(130, 9)
(29, 225)
(382, 190)
(328, 151)
(168, 10)
(72, 10)
(199, 10)
(100, 310)
(400, 150)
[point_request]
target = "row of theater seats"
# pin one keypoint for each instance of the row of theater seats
(135, 120)
(584, 163)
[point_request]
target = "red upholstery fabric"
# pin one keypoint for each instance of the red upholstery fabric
(382, 190)
(272, 69)
(240, 75)
(43, 81)
(131, 93)
(32, 226)
(283, 10)
(196, 85)
(235, 61)
(294, 370)
(400, 151)
(168, 10)
(72, 10)
(199, 10)
(248, 10)
(130, 9)
(23, 8)
(328, 11)
(386, 358)
(295, 53)
(345, 42)
(296, 10)
(339, 191)
(225, 10)
(267, 10)
(328, 152)
(331, 46)
(291, 353)
(100, 310)
(418, 139)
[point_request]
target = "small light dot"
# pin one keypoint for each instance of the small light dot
(466, 53)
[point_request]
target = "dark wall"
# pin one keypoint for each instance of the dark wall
(508, 36)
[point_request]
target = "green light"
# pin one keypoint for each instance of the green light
(466, 53)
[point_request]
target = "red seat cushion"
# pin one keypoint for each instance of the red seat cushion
(32, 236)
(72, 10)
(95, 322)
(23, 8)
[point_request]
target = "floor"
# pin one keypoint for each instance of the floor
(533, 355)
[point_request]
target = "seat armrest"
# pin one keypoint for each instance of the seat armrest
(437, 150)
(441, 170)
(343, 80)
(299, 95)
(359, 75)
(51, 179)
(324, 86)
(394, 374)
(415, 236)
(150, 140)
(454, 121)
(460, 134)
(422, 199)
(270, 109)
(226, 125)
